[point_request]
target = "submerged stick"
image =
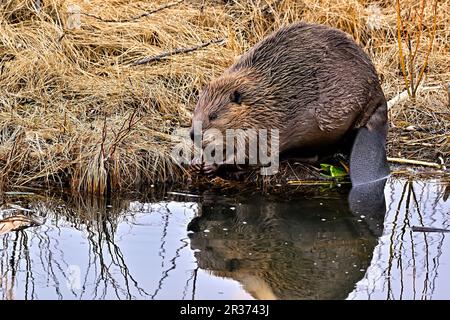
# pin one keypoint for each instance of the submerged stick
(415, 162)
(428, 229)
(163, 55)
(145, 14)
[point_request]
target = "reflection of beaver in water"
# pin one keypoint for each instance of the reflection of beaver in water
(310, 248)
(316, 86)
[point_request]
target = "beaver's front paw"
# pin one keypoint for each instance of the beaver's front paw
(210, 169)
(199, 167)
(196, 166)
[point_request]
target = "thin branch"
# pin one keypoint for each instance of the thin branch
(430, 46)
(132, 19)
(419, 33)
(428, 229)
(409, 46)
(125, 129)
(403, 96)
(415, 162)
(400, 28)
(167, 54)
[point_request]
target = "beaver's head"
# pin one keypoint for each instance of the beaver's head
(236, 100)
(229, 115)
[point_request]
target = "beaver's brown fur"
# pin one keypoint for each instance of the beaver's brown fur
(312, 82)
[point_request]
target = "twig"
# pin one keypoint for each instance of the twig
(415, 162)
(310, 183)
(428, 138)
(145, 14)
(402, 96)
(448, 93)
(400, 28)
(432, 88)
(430, 46)
(125, 129)
(163, 55)
(412, 85)
(397, 99)
(419, 33)
(269, 6)
(102, 144)
(428, 229)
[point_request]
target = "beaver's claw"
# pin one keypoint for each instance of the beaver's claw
(196, 165)
(210, 169)
(199, 167)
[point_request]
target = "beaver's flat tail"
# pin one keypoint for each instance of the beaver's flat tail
(368, 161)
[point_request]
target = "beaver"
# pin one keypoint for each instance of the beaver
(316, 86)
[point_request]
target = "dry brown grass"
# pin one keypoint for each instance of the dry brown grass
(74, 112)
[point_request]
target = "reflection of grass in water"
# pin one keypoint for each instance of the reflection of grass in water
(173, 266)
(410, 206)
(101, 234)
(104, 255)
(193, 279)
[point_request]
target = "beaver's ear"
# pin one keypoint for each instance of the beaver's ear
(236, 97)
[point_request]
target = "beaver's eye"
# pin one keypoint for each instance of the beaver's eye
(212, 116)
(236, 97)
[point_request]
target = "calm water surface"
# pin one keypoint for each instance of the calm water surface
(210, 245)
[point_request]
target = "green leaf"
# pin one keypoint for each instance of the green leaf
(325, 167)
(333, 171)
(337, 172)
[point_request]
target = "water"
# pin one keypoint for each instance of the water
(216, 245)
